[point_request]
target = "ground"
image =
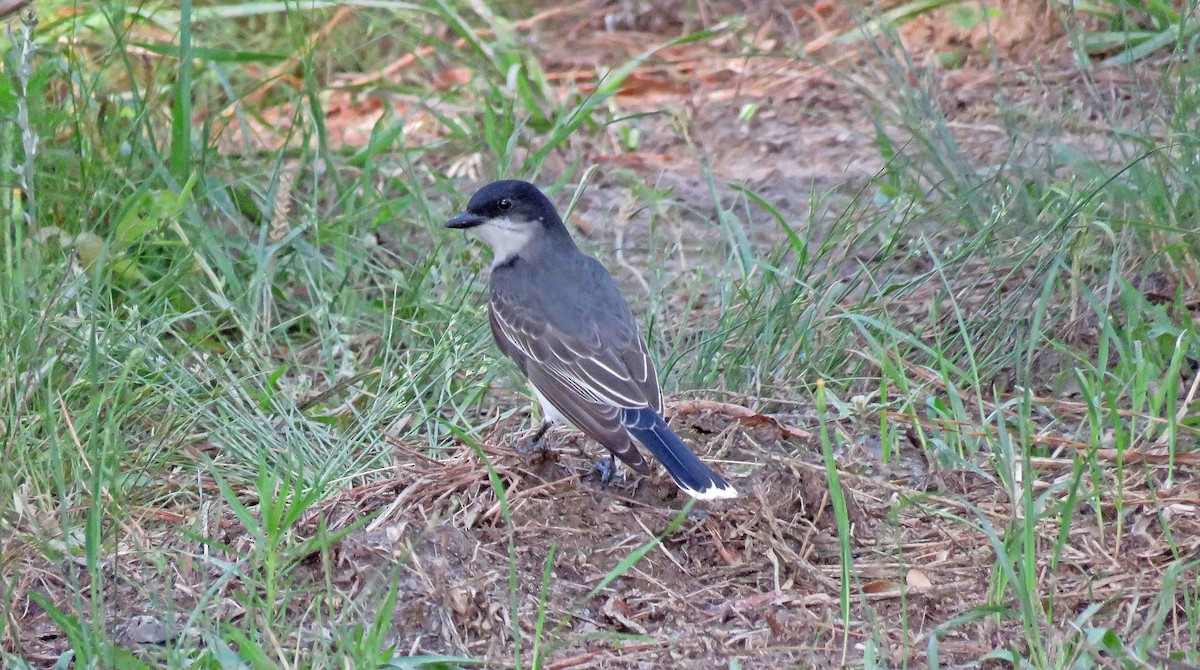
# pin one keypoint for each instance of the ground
(1013, 517)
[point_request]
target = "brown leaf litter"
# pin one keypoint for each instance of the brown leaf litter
(756, 578)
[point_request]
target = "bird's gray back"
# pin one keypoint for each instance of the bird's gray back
(574, 293)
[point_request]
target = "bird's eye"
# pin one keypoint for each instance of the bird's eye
(504, 204)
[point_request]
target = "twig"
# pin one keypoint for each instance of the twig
(576, 661)
(1128, 455)
(743, 415)
(273, 77)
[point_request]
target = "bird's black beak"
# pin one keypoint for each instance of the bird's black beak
(465, 220)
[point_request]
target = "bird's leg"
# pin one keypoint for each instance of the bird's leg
(535, 444)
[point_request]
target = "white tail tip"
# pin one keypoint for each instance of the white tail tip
(716, 491)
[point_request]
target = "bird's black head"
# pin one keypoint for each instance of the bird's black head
(508, 199)
(508, 215)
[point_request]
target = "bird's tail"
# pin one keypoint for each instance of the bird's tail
(694, 477)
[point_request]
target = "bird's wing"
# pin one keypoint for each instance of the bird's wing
(600, 422)
(605, 365)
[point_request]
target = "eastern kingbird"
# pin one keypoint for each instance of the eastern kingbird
(558, 313)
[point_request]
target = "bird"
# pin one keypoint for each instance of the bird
(560, 316)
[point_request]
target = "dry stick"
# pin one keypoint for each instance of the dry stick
(399, 444)
(660, 545)
(1183, 407)
(74, 435)
(730, 559)
(581, 659)
(865, 482)
(738, 412)
(516, 495)
(996, 516)
(797, 561)
(623, 219)
(1066, 404)
(1074, 406)
(278, 71)
(1187, 458)
(1130, 456)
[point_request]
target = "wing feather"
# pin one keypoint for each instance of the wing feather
(600, 422)
(602, 374)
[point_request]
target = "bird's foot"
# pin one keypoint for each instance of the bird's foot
(607, 468)
(527, 447)
(535, 445)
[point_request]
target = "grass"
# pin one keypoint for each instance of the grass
(251, 391)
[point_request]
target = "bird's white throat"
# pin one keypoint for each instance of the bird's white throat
(506, 237)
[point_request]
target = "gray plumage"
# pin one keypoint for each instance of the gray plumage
(570, 331)
(560, 316)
